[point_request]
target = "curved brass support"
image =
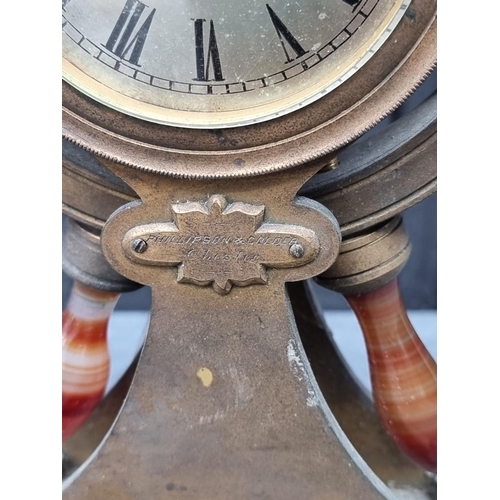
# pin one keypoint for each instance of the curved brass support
(224, 404)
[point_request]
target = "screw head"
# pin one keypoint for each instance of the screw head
(297, 250)
(139, 245)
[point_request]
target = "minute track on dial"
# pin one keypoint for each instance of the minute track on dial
(255, 60)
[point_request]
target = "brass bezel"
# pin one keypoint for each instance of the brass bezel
(280, 105)
(322, 127)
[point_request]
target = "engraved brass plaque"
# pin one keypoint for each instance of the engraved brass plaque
(220, 243)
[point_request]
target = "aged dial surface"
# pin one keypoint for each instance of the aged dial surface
(200, 64)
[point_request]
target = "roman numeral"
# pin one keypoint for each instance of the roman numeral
(121, 42)
(285, 35)
(212, 59)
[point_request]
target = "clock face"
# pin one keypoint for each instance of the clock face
(199, 64)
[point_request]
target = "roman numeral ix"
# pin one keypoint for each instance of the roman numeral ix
(121, 42)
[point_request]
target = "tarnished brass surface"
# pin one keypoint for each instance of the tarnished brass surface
(380, 177)
(196, 312)
(191, 311)
(223, 404)
(310, 133)
(369, 260)
(83, 260)
(222, 243)
(89, 195)
(375, 180)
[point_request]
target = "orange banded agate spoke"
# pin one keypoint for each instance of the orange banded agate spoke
(85, 357)
(403, 373)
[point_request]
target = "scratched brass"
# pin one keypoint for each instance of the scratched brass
(221, 243)
(370, 259)
(224, 404)
(309, 133)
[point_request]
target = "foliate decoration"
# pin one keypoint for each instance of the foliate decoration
(221, 243)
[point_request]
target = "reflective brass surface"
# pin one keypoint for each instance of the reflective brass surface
(90, 193)
(163, 199)
(393, 171)
(178, 310)
(312, 132)
(369, 260)
(223, 402)
(201, 323)
(384, 175)
(222, 243)
(84, 262)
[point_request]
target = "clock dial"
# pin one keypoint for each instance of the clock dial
(229, 63)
